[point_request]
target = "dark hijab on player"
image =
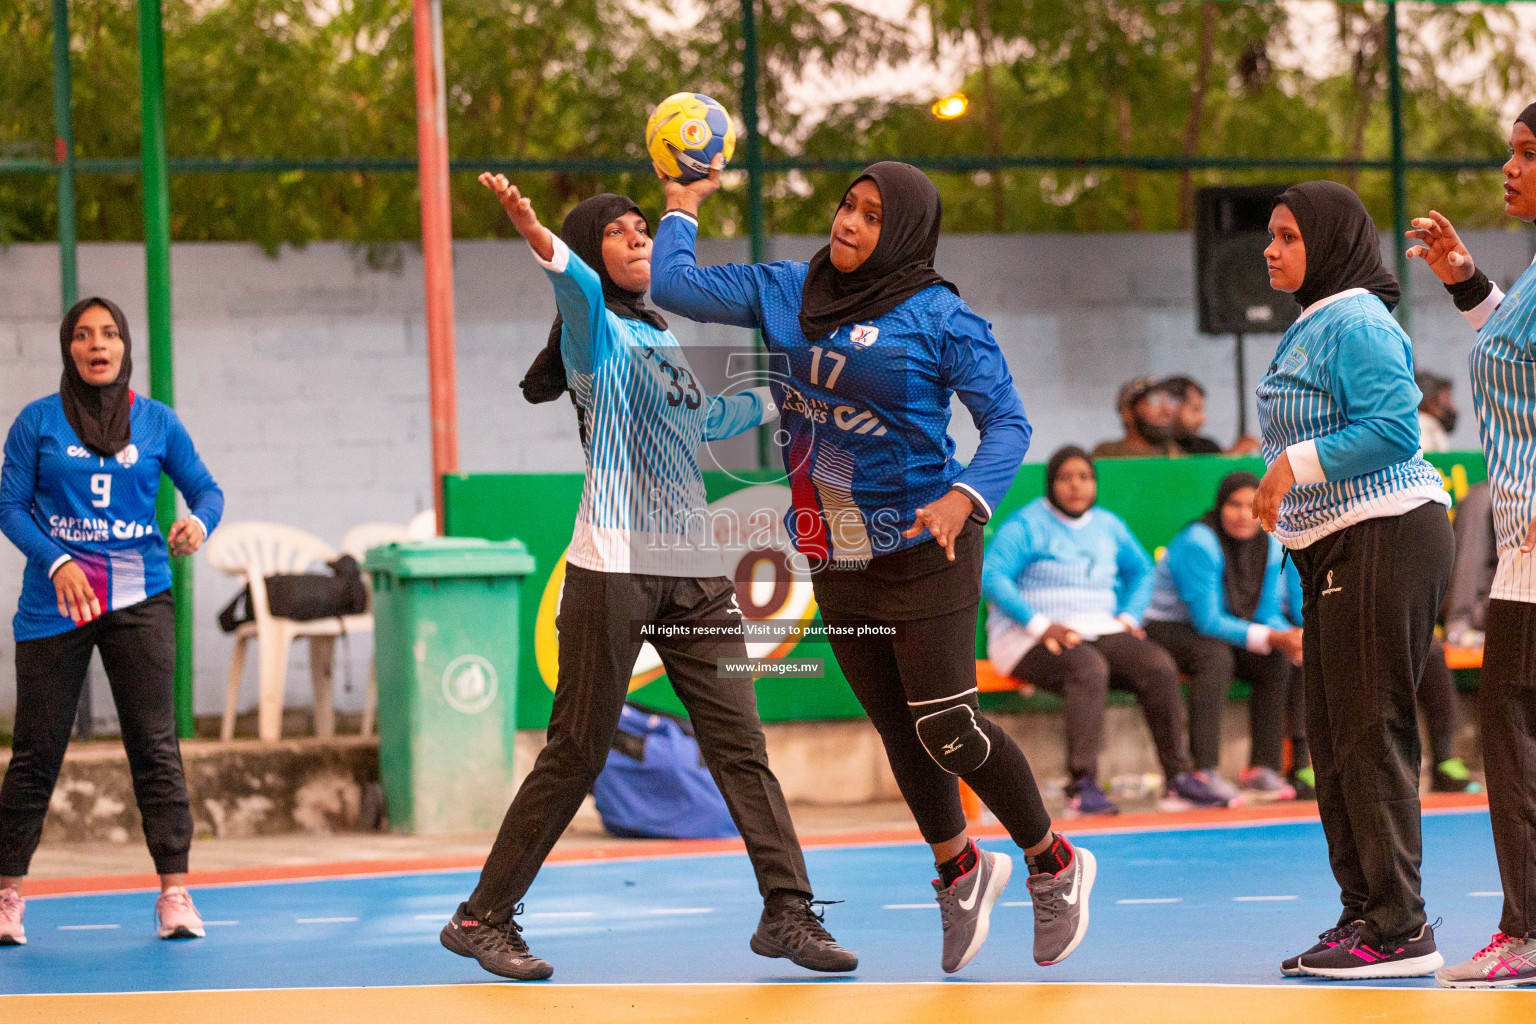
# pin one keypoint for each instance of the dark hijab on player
(900, 266)
(99, 415)
(1247, 561)
(1343, 249)
(582, 230)
(1052, 468)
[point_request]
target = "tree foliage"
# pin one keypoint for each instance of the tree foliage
(559, 79)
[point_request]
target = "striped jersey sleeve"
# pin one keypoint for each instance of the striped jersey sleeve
(1503, 366)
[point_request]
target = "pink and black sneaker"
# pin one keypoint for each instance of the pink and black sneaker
(176, 917)
(12, 908)
(1291, 965)
(1362, 956)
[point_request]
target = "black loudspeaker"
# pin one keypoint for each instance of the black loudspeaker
(1231, 283)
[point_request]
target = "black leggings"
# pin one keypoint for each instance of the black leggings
(920, 693)
(1083, 675)
(1211, 665)
(138, 650)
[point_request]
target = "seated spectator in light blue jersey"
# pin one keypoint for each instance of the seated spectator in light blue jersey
(1067, 586)
(1218, 606)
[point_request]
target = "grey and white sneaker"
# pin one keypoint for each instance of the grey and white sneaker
(1061, 907)
(1506, 962)
(966, 906)
(1221, 786)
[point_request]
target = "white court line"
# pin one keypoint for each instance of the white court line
(1015, 903)
(1262, 899)
(1485, 894)
(324, 920)
(593, 913)
(682, 910)
(431, 917)
(910, 906)
(220, 924)
(1164, 899)
(87, 927)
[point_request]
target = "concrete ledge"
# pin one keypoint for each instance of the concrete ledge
(246, 788)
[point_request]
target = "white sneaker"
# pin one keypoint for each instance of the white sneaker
(176, 917)
(12, 907)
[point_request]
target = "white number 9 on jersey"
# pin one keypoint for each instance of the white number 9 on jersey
(101, 486)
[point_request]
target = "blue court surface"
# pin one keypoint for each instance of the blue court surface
(1206, 905)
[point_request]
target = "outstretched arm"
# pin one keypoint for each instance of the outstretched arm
(578, 290)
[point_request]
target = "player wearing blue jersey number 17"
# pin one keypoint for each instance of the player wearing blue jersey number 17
(876, 344)
(1349, 493)
(1504, 391)
(640, 554)
(77, 496)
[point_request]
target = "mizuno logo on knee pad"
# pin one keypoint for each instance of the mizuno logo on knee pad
(954, 739)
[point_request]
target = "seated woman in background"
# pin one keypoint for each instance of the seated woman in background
(1217, 608)
(1067, 584)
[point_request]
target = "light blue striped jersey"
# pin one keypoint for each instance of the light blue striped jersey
(1043, 568)
(644, 417)
(1340, 398)
(1504, 393)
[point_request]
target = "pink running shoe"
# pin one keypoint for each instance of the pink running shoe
(12, 907)
(176, 917)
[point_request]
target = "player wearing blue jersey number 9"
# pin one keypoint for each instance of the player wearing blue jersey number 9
(877, 343)
(639, 555)
(1349, 493)
(77, 496)
(1504, 392)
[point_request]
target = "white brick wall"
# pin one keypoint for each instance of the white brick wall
(303, 378)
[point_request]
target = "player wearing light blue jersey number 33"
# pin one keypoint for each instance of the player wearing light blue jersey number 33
(876, 343)
(77, 496)
(639, 555)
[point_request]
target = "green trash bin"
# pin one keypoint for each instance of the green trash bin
(445, 650)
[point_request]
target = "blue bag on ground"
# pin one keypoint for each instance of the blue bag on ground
(655, 786)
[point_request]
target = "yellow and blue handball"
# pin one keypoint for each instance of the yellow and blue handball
(686, 132)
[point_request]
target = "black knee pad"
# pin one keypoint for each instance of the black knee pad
(955, 739)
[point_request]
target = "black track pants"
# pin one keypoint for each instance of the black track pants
(1506, 708)
(1211, 665)
(138, 650)
(1371, 593)
(597, 655)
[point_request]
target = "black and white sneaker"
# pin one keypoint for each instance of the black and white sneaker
(1291, 965)
(791, 929)
(1365, 957)
(499, 949)
(966, 906)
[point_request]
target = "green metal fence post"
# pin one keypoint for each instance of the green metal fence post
(1399, 165)
(157, 265)
(754, 140)
(64, 154)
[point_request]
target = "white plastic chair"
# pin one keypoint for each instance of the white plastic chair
(356, 542)
(254, 550)
(423, 525)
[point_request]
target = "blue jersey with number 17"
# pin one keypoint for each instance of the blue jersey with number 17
(60, 501)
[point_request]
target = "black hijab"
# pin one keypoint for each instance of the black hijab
(582, 231)
(1247, 561)
(99, 415)
(1343, 249)
(1528, 118)
(1061, 458)
(900, 266)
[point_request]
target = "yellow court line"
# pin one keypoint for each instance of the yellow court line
(829, 1000)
